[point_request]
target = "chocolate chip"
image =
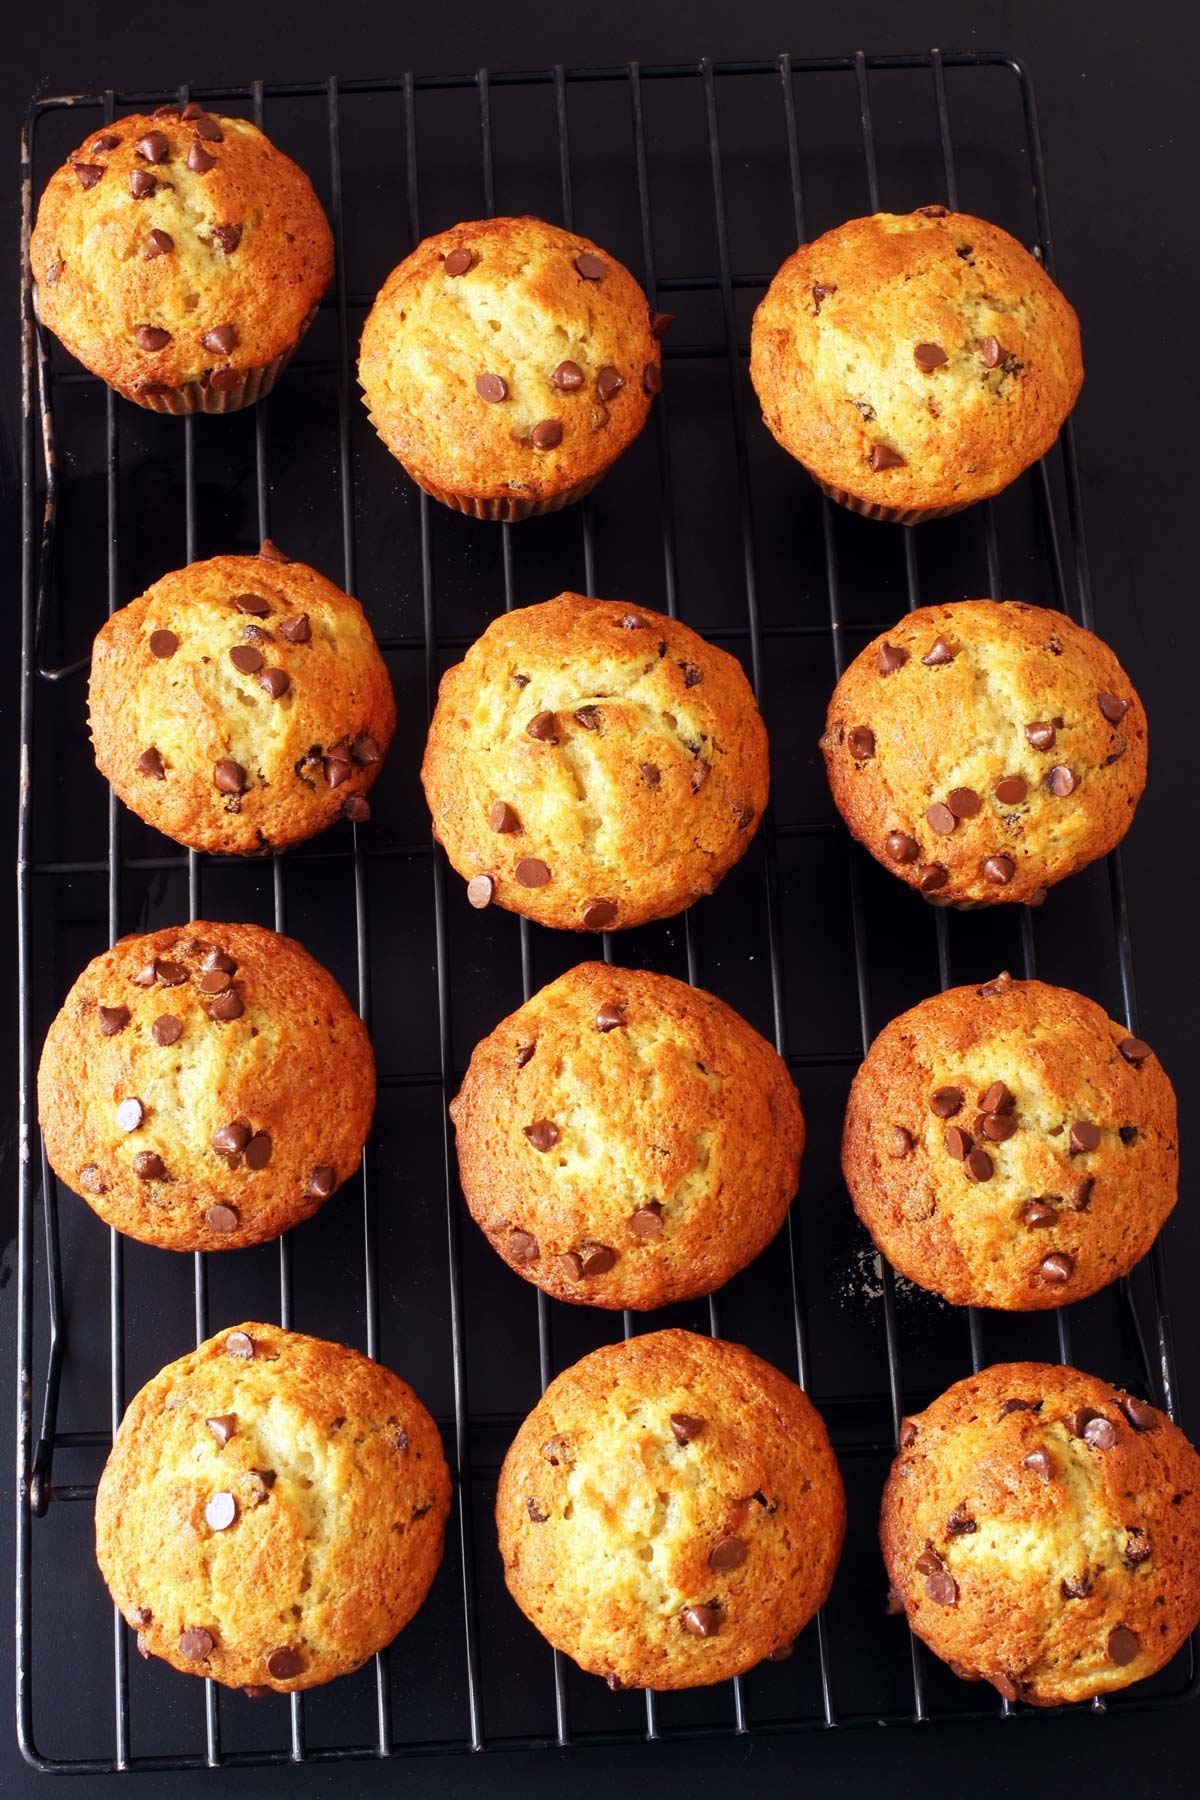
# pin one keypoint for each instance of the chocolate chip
(990, 351)
(159, 243)
(660, 324)
(206, 127)
(524, 1054)
(1134, 1050)
(163, 643)
(543, 1134)
(929, 356)
(491, 387)
(546, 434)
(457, 262)
(522, 1246)
(589, 266)
(979, 1166)
(821, 291)
(1014, 1405)
(196, 1644)
(1113, 709)
(567, 377)
(1038, 1463)
(261, 1482)
(258, 1151)
(221, 1512)
(166, 1029)
(199, 161)
(226, 1007)
(1036, 1214)
(1100, 1433)
(246, 659)
(938, 654)
(112, 1019)
(1011, 790)
(884, 457)
(228, 776)
(240, 1344)
(275, 683)
(652, 379)
(960, 1523)
(1041, 734)
(631, 622)
(942, 1588)
(153, 147)
(91, 1180)
(944, 1102)
(1000, 985)
(151, 337)
(743, 812)
(322, 1181)
(901, 848)
(365, 750)
(1081, 1193)
(685, 1427)
(931, 876)
(726, 1554)
(908, 1437)
(651, 774)
(935, 211)
(89, 173)
(1138, 1546)
(609, 381)
(1057, 1267)
(501, 817)
(1060, 781)
(269, 552)
(1084, 1137)
(860, 741)
(999, 870)
(890, 657)
(228, 237)
(598, 914)
(610, 1016)
(215, 981)
(598, 1259)
(588, 717)
(222, 1427)
(169, 974)
(543, 727)
(900, 1142)
(149, 1167)
(480, 890)
(1122, 1646)
(702, 1621)
(130, 1114)
(254, 604)
(531, 872)
(1140, 1416)
(964, 803)
(647, 1220)
(957, 1142)
(337, 765)
(283, 1664)
(221, 340)
(141, 182)
(231, 1139)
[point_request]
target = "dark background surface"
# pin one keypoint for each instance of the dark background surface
(1115, 93)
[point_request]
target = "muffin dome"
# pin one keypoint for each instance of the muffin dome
(625, 1140)
(241, 704)
(984, 750)
(206, 1086)
(181, 259)
(915, 362)
(594, 765)
(1011, 1145)
(507, 363)
(272, 1510)
(670, 1513)
(1041, 1530)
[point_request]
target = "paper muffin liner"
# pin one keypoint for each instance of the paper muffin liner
(891, 515)
(201, 396)
(509, 509)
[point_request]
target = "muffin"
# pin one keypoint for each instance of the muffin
(1011, 1146)
(914, 363)
(507, 363)
(593, 766)
(206, 1086)
(625, 1140)
(1041, 1530)
(670, 1513)
(272, 1510)
(241, 704)
(181, 258)
(984, 750)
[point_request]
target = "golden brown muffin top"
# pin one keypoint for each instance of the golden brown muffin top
(206, 1086)
(508, 356)
(593, 764)
(1010, 1145)
(272, 1510)
(626, 1140)
(1041, 1530)
(985, 749)
(670, 1513)
(918, 359)
(241, 704)
(172, 248)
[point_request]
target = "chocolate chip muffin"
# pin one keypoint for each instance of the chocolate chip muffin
(984, 750)
(241, 704)
(1010, 1145)
(914, 363)
(1041, 1530)
(594, 765)
(181, 258)
(507, 363)
(625, 1140)
(670, 1513)
(206, 1086)
(272, 1510)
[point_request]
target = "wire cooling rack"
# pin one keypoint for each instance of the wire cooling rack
(701, 177)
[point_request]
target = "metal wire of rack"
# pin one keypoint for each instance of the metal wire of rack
(863, 1425)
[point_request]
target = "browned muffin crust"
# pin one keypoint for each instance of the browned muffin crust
(670, 1513)
(206, 1086)
(1010, 1145)
(625, 1140)
(1041, 1530)
(180, 258)
(915, 363)
(594, 765)
(241, 704)
(272, 1510)
(507, 363)
(985, 749)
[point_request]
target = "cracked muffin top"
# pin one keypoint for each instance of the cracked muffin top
(1041, 1530)
(1010, 1145)
(985, 749)
(507, 363)
(178, 249)
(915, 362)
(625, 1140)
(671, 1512)
(272, 1510)
(241, 704)
(594, 765)
(185, 1086)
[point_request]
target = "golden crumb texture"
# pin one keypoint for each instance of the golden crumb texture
(915, 363)
(1041, 1530)
(625, 1140)
(507, 363)
(1011, 1146)
(272, 1510)
(594, 765)
(985, 749)
(177, 253)
(241, 704)
(206, 1086)
(671, 1512)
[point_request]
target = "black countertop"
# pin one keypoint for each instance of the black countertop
(1116, 92)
